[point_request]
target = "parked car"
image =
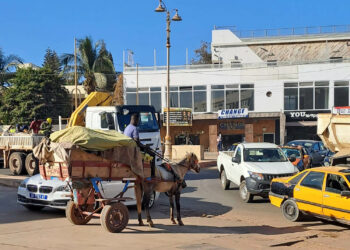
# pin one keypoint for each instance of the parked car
(298, 156)
(327, 159)
(323, 191)
(36, 193)
(316, 150)
(252, 166)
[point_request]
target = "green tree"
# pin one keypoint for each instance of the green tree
(34, 92)
(7, 66)
(94, 62)
(202, 54)
(51, 61)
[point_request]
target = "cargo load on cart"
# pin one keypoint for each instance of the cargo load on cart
(80, 153)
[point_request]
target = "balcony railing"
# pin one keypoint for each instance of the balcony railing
(295, 31)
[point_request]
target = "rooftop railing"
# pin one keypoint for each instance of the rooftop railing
(237, 65)
(295, 31)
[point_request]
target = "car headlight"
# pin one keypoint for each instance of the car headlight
(63, 188)
(24, 183)
(256, 176)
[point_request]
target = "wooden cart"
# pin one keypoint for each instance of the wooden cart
(83, 174)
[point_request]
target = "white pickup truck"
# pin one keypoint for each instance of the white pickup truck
(252, 166)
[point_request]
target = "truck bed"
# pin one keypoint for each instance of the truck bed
(19, 141)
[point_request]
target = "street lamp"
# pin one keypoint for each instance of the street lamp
(162, 8)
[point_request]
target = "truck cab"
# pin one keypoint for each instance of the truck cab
(118, 117)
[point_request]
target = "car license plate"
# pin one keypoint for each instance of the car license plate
(38, 196)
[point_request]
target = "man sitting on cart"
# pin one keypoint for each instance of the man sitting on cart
(131, 130)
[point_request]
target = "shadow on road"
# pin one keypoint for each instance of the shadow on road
(263, 230)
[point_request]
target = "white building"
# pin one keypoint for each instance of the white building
(284, 77)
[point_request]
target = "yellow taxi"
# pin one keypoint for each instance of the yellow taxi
(322, 192)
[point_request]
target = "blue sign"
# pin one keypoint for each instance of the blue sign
(232, 113)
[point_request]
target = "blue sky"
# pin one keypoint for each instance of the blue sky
(30, 26)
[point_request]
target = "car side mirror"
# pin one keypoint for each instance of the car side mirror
(235, 160)
(292, 158)
(345, 193)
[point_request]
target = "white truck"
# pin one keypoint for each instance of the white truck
(17, 150)
(252, 166)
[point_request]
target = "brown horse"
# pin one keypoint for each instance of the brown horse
(170, 183)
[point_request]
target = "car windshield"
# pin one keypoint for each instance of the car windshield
(147, 122)
(291, 151)
(264, 155)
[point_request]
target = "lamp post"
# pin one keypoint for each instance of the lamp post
(162, 8)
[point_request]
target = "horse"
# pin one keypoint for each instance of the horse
(169, 182)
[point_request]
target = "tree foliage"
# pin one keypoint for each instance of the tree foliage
(51, 61)
(7, 66)
(34, 92)
(118, 93)
(202, 54)
(91, 59)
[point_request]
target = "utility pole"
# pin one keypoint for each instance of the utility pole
(137, 84)
(75, 73)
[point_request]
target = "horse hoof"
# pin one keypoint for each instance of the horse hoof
(181, 223)
(150, 224)
(173, 221)
(141, 223)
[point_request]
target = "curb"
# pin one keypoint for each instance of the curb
(207, 164)
(10, 182)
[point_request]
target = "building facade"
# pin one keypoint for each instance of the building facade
(284, 78)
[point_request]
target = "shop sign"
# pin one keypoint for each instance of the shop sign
(341, 110)
(178, 116)
(304, 115)
(231, 125)
(232, 113)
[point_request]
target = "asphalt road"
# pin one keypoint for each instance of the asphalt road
(213, 218)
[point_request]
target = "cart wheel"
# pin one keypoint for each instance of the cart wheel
(114, 217)
(32, 165)
(74, 216)
(16, 163)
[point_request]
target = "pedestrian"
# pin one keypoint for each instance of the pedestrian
(219, 141)
(35, 125)
(46, 127)
(131, 130)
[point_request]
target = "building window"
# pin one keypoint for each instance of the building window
(247, 96)
(306, 95)
(321, 95)
(200, 98)
(232, 96)
(186, 97)
(341, 94)
(217, 99)
(147, 96)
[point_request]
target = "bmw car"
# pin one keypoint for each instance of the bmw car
(35, 193)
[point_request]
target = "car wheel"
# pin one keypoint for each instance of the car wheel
(225, 183)
(244, 193)
(16, 163)
(33, 208)
(291, 211)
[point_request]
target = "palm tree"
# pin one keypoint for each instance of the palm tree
(7, 64)
(93, 61)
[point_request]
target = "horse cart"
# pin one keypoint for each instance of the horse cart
(85, 170)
